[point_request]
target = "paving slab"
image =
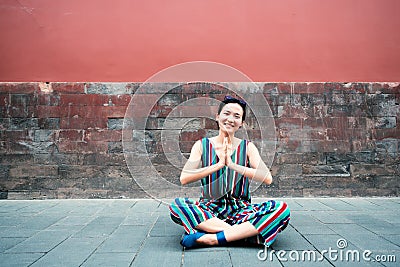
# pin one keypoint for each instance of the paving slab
(252, 256)
(217, 258)
(159, 251)
(43, 241)
(7, 243)
(20, 259)
(72, 252)
(109, 259)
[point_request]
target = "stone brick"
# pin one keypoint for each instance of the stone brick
(59, 159)
(82, 147)
(26, 147)
(382, 134)
(345, 110)
(115, 112)
(326, 170)
(373, 169)
(170, 100)
(115, 147)
(83, 123)
(115, 124)
(5, 123)
(382, 122)
(19, 88)
(109, 88)
(314, 182)
(70, 135)
(300, 158)
(4, 172)
(76, 171)
(44, 136)
(48, 99)
(27, 112)
(22, 100)
(192, 135)
(68, 88)
(119, 100)
(16, 159)
(347, 158)
(83, 100)
(48, 111)
(387, 182)
(349, 88)
(16, 135)
(288, 182)
(287, 170)
(388, 146)
(356, 122)
(330, 146)
(23, 123)
(104, 159)
(329, 192)
(384, 88)
(348, 134)
(102, 135)
(33, 171)
(83, 112)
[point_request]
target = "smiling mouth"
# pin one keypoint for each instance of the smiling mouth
(228, 124)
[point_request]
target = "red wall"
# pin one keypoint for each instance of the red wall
(124, 40)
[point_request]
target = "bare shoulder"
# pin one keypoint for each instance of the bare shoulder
(252, 146)
(197, 144)
(196, 148)
(252, 150)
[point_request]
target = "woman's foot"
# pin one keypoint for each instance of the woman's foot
(198, 239)
(208, 239)
(212, 239)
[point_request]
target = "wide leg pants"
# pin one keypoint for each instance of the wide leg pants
(269, 217)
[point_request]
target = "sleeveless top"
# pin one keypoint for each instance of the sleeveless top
(225, 183)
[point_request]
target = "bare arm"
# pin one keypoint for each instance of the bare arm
(191, 171)
(258, 170)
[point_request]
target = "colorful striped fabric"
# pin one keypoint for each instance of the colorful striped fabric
(225, 181)
(226, 195)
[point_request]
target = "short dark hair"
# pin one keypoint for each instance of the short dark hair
(228, 99)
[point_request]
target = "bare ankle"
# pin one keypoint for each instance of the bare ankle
(208, 239)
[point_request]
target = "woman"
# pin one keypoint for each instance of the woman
(224, 164)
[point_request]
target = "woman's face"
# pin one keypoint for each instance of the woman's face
(230, 118)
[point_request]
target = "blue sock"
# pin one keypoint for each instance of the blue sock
(221, 238)
(189, 240)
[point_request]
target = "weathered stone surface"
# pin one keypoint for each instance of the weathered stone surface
(326, 170)
(67, 141)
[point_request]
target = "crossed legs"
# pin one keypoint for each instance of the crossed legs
(232, 232)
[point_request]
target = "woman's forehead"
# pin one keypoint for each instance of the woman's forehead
(233, 107)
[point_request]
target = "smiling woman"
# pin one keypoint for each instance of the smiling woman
(226, 165)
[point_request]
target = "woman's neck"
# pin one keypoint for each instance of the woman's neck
(220, 137)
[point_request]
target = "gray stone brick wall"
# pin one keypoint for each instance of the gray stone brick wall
(332, 139)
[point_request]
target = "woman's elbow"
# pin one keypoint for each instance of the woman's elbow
(183, 180)
(268, 180)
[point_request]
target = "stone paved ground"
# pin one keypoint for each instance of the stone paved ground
(140, 233)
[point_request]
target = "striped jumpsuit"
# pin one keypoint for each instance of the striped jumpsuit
(225, 194)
